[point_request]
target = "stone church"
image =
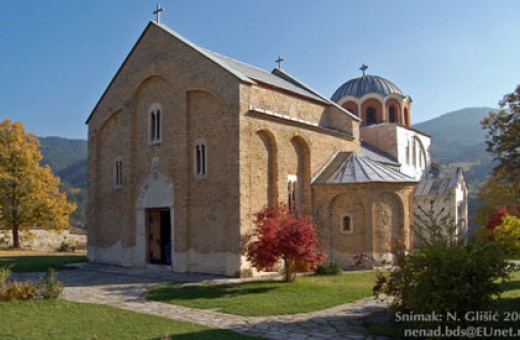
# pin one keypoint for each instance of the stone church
(186, 144)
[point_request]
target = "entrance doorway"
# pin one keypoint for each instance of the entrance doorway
(158, 226)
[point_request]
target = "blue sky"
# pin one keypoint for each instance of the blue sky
(58, 56)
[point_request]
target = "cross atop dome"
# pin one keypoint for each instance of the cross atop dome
(363, 68)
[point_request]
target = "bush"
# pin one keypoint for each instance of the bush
(282, 234)
(444, 275)
(329, 267)
(507, 234)
(66, 247)
(18, 291)
(49, 287)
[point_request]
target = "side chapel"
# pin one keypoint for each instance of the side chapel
(186, 144)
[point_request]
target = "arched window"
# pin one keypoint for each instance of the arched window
(201, 158)
(155, 124)
(414, 153)
(347, 225)
(371, 115)
(408, 150)
(118, 173)
(391, 114)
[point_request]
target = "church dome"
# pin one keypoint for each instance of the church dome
(360, 86)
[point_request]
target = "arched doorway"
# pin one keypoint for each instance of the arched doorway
(155, 221)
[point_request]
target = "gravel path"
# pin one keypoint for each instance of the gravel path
(126, 288)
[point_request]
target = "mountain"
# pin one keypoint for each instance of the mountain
(459, 140)
(458, 128)
(60, 153)
(68, 160)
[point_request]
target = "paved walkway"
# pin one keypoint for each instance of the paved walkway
(126, 288)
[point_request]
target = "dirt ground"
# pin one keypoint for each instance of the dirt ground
(23, 252)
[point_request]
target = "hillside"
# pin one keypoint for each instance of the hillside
(68, 160)
(459, 140)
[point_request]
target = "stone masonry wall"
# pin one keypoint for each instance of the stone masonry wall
(44, 240)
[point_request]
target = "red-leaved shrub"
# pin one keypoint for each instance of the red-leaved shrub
(280, 234)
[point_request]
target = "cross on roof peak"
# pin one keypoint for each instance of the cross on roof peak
(279, 61)
(363, 68)
(157, 13)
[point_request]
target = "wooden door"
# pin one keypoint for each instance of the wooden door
(154, 235)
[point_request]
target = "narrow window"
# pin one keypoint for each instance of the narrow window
(155, 124)
(291, 192)
(408, 152)
(371, 115)
(152, 126)
(347, 226)
(391, 114)
(158, 124)
(201, 159)
(414, 155)
(118, 178)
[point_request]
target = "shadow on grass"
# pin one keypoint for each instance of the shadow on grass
(204, 291)
(214, 334)
(39, 263)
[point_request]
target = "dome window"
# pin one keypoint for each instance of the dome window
(391, 114)
(371, 116)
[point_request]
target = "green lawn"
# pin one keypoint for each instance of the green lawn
(57, 319)
(307, 294)
(39, 263)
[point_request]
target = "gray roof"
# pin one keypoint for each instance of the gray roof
(245, 72)
(348, 167)
(255, 73)
(442, 185)
(360, 86)
(377, 155)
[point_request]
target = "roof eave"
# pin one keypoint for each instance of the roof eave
(239, 75)
(279, 72)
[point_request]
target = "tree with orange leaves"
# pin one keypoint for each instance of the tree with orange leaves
(29, 193)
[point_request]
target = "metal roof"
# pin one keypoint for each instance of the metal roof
(360, 86)
(442, 185)
(348, 167)
(245, 72)
(377, 155)
(263, 76)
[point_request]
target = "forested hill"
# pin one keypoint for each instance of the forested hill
(68, 160)
(459, 140)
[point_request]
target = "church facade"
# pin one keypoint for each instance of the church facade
(185, 145)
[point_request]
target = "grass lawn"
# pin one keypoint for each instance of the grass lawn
(307, 294)
(39, 263)
(509, 301)
(58, 319)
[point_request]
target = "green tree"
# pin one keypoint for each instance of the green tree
(503, 142)
(444, 274)
(508, 234)
(29, 194)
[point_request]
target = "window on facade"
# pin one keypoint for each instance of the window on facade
(291, 191)
(414, 153)
(200, 158)
(118, 175)
(408, 152)
(347, 226)
(155, 122)
(371, 115)
(391, 114)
